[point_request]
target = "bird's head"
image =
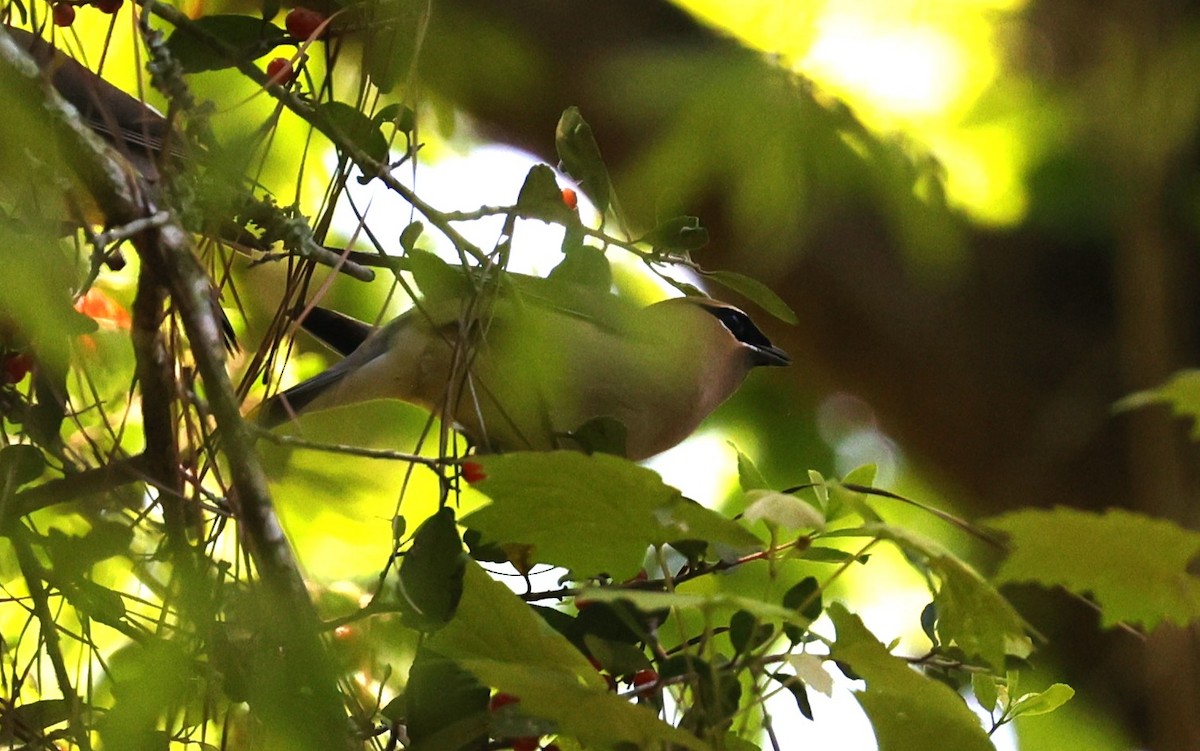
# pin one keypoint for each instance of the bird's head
(712, 328)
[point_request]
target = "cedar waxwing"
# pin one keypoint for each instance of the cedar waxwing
(135, 130)
(520, 374)
(132, 128)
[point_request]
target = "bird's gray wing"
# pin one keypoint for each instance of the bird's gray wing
(287, 404)
(338, 331)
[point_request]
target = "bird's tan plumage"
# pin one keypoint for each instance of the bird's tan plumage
(520, 374)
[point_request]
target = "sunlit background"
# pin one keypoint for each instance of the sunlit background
(928, 74)
(910, 70)
(913, 67)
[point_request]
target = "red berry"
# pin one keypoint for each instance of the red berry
(501, 699)
(570, 198)
(303, 23)
(643, 678)
(16, 367)
(64, 14)
(528, 743)
(108, 6)
(280, 71)
(640, 576)
(473, 472)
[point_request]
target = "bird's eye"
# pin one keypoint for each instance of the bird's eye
(740, 325)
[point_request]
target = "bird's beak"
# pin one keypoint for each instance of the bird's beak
(769, 355)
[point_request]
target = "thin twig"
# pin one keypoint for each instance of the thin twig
(316, 710)
(33, 573)
(318, 119)
(433, 462)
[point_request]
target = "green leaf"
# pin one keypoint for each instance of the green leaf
(580, 157)
(445, 706)
(907, 709)
(437, 280)
(397, 114)
(973, 616)
(811, 670)
(1181, 392)
(409, 236)
(680, 234)
(604, 434)
(781, 510)
(803, 598)
(819, 490)
(1135, 566)
(617, 657)
(394, 33)
(20, 464)
(737, 743)
(611, 620)
(747, 633)
(756, 291)
(555, 500)
(553, 680)
(39, 715)
(159, 675)
(821, 554)
(716, 690)
(96, 602)
(748, 475)
(431, 573)
(586, 266)
(796, 688)
(984, 688)
(708, 602)
(1042, 702)
(541, 198)
(73, 555)
(856, 501)
(250, 38)
(355, 127)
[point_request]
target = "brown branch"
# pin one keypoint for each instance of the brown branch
(34, 574)
(156, 377)
(313, 707)
(317, 118)
(73, 487)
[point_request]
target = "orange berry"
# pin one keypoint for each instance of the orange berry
(570, 198)
(303, 23)
(643, 678)
(63, 13)
(97, 305)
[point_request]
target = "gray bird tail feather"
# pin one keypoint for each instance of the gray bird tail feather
(340, 333)
(283, 407)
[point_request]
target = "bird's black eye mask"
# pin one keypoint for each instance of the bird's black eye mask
(740, 325)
